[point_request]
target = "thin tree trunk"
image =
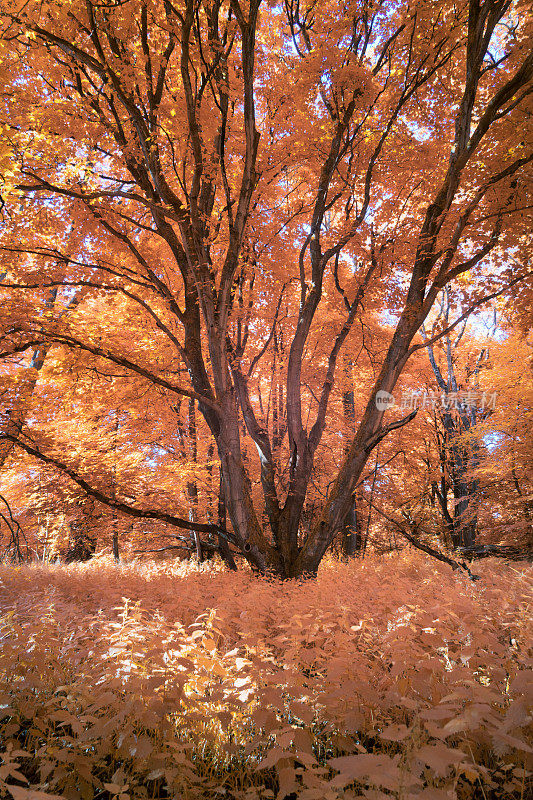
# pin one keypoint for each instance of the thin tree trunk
(457, 458)
(114, 520)
(192, 486)
(351, 530)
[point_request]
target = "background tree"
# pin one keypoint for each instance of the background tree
(461, 407)
(506, 470)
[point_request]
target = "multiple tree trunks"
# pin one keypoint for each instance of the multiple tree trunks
(172, 104)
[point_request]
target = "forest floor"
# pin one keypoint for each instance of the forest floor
(389, 678)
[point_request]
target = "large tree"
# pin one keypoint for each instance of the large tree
(233, 175)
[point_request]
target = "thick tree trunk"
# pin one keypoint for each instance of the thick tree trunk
(369, 433)
(462, 459)
(465, 514)
(223, 546)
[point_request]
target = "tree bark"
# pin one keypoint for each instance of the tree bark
(351, 531)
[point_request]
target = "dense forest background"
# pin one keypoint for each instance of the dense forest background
(458, 475)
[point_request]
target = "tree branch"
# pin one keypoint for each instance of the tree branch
(176, 522)
(392, 426)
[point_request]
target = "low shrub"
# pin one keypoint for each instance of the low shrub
(392, 677)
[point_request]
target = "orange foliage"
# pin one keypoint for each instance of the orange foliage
(221, 203)
(389, 678)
